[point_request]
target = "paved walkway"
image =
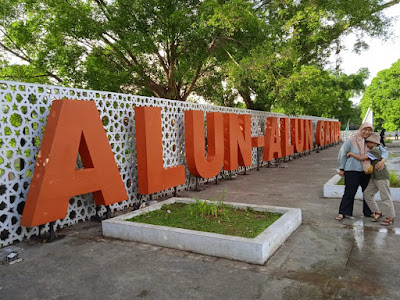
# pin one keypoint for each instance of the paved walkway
(323, 259)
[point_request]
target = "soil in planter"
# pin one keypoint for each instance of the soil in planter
(223, 219)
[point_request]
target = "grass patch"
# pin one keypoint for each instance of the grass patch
(217, 218)
(394, 180)
(341, 181)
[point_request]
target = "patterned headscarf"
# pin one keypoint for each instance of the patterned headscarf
(359, 143)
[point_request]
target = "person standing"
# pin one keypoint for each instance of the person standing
(354, 171)
(396, 134)
(383, 137)
(380, 181)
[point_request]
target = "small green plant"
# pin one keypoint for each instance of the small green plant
(388, 141)
(208, 209)
(394, 180)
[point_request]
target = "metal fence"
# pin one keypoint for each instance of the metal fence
(24, 110)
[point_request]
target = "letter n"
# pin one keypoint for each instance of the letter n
(272, 145)
(73, 126)
(197, 162)
(237, 138)
(297, 134)
(308, 135)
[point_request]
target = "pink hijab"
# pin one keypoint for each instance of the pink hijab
(358, 142)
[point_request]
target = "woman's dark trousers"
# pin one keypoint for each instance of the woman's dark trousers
(353, 179)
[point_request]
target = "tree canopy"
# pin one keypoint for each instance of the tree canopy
(273, 54)
(383, 96)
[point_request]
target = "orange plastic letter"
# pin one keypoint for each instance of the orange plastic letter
(333, 130)
(198, 164)
(308, 135)
(152, 177)
(327, 132)
(73, 126)
(320, 136)
(237, 140)
(297, 134)
(257, 141)
(338, 131)
(287, 149)
(272, 146)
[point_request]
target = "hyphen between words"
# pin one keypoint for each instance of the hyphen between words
(74, 126)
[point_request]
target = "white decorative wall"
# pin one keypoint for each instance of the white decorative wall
(24, 109)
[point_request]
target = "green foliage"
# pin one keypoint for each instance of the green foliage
(318, 92)
(272, 54)
(287, 71)
(151, 47)
(383, 95)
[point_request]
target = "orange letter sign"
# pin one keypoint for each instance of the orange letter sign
(272, 146)
(297, 134)
(287, 149)
(237, 141)
(198, 164)
(320, 134)
(73, 126)
(308, 135)
(152, 177)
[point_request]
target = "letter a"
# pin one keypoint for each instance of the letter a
(73, 126)
(287, 149)
(272, 147)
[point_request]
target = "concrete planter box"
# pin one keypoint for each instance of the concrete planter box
(256, 250)
(332, 190)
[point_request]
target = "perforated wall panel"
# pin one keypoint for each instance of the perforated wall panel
(24, 109)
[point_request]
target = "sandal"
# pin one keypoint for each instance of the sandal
(339, 217)
(376, 216)
(387, 222)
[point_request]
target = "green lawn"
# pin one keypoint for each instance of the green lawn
(216, 218)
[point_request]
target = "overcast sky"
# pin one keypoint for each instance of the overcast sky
(381, 54)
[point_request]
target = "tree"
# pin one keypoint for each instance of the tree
(173, 48)
(318, 92)
(300, 36)
(151, 47)
(383, 96)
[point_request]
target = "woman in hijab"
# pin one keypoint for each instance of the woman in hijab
(355, 172)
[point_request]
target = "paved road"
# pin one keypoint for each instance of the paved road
(323, 259)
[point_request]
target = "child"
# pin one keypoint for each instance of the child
(379, 181)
